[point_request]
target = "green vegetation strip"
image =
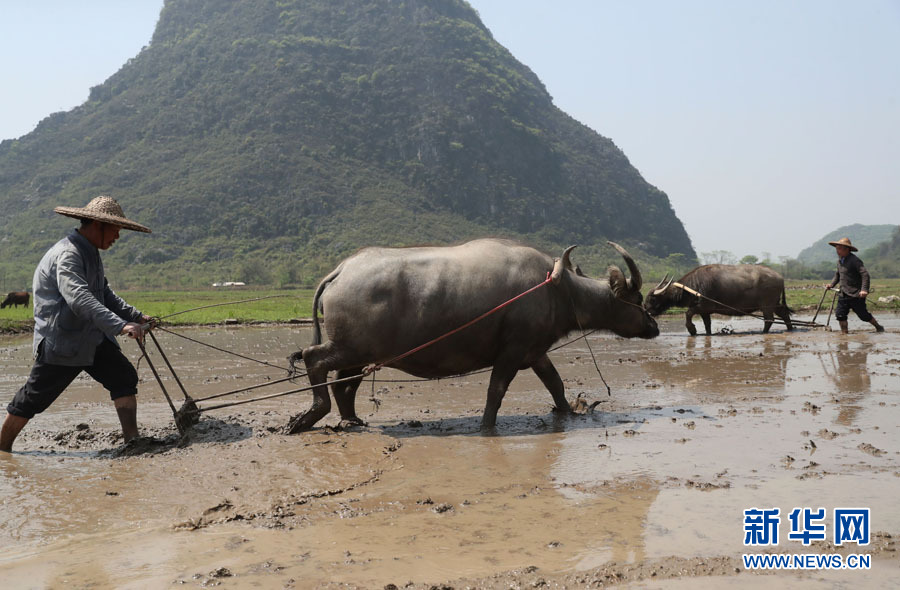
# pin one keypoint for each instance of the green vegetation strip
(296, 304)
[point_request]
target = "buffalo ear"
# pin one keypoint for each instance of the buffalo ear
(617, 281)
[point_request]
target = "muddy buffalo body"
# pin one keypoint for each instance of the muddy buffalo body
(383, 302)
(725, 289)
(16, 298)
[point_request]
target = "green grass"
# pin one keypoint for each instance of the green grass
(286, 305)
(282, 306)
(808, 294)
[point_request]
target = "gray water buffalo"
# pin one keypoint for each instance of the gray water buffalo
(383, 302)
(732, 290)
(16, 298)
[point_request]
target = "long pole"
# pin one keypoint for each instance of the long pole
(821, 301)
(828, 321)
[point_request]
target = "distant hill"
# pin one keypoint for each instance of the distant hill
(883, 259)
(263, 141)
(862, 236)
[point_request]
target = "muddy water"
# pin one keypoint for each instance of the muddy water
(647, 490)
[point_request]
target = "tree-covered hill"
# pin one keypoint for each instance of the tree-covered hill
(883, 259)
(862, 236)
(262, 141)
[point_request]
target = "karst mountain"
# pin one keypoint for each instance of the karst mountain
(263, 141)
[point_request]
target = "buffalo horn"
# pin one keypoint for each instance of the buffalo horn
(636, 281)
(556, 275)
(565, 257)
(560, 264)
(660, 288)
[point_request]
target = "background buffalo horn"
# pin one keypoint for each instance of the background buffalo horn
(659, 289)
(636, 280)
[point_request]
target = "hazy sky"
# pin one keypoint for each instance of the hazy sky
(767, 122)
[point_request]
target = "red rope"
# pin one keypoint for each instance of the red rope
(371, 368)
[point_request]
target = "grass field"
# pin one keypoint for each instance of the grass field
(287, 305)
(279, 306)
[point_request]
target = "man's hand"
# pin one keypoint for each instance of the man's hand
(863, 294)
(133, 330)
(145, 319)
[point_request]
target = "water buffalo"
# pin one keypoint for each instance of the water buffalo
(16, 298)
(383, 302)
(726, 289)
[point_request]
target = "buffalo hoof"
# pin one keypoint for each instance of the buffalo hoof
(580, 406)
(350, 423)
(301, 423)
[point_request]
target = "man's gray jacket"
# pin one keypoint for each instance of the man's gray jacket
(852, 275)
(74, 308)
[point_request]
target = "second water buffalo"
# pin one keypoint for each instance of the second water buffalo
(725, 289)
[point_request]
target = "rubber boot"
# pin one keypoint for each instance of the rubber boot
(843, 326)
(126, 408)
(878, 327)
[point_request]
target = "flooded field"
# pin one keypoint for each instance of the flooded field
(646, 491)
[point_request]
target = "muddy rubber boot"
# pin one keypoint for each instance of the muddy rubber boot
(843, 326)
(878, 327)
(126, 408)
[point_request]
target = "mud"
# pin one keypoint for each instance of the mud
(645, 490)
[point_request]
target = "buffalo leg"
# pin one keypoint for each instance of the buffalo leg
(689, 322)
(345, 395)
(317, 371)
(548, 375)
(785, 314)
(768, 318)
(501, 376)
(707, 323)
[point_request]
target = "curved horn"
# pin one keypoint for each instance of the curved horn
(660, 289)
(556, 275)
(565, 257)
(636, 281)
(560, 264)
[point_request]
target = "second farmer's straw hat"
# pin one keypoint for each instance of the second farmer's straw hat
(844, 242)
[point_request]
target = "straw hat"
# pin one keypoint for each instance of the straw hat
(105, 209)
(844, 242)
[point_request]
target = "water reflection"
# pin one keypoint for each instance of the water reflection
(712, 365)
(847, 369)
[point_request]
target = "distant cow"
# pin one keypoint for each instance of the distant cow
(16, 298)
(724, 289)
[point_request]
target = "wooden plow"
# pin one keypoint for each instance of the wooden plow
(189, 412)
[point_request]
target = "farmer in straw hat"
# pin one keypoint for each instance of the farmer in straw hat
(854, 280)
(76, 320)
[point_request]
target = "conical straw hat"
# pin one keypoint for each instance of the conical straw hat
(105, 209)
(844, 242)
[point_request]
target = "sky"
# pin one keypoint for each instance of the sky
(768, 123)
